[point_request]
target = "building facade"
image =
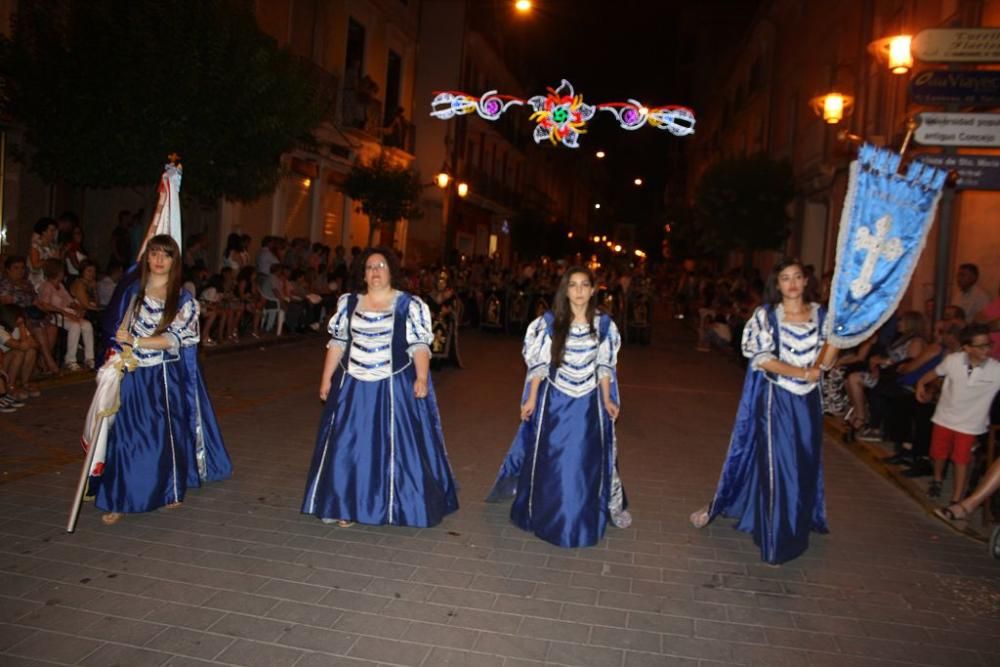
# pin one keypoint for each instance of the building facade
(794, 52)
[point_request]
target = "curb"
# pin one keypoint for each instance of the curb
(871, 455)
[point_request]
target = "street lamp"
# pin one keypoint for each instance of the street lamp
(893, 52)
(833, 106)
(462, 189)
(523, 6)
(442, 180)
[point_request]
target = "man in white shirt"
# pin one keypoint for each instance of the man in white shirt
(266, 258)
(971, 297)
(971, 380)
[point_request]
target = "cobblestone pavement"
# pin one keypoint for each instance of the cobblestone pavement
(239, 577)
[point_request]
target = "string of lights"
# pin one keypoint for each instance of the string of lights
(561, 115)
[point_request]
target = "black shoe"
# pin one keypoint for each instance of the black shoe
(920, 468)
(934, 490)
(900, 459)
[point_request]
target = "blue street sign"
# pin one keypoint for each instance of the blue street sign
(975, 172)
(974, 88)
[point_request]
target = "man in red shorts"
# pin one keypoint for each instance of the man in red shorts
(971, 380)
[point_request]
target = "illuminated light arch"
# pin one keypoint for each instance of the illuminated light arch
(561, 115)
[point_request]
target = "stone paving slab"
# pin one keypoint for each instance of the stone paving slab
(239, 577)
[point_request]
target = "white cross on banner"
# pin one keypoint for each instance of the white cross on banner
(883, 228)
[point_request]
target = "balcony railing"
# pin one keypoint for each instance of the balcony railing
(325, 83)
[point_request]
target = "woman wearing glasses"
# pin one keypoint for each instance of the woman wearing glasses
(380, 456)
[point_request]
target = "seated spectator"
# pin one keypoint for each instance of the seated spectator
(987, 486)
(249, 295)
(869, 390)
(971, 380)
(107, 284)
(53, 298)
(272, 288)
(230, 306)
(908, 421)
(16, 289)
(209, 300)
(74, 253)
(84, 290)
(970, 295)
(44, 245)
(234, 256)
(19, 352)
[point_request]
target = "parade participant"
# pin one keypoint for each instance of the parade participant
(163, 437)
(446, 309)
(772, 479)
(380, 456)
(562, 467)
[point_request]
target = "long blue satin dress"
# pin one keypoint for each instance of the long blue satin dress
(772, 479)
(562, 466)
(380, 456)
(164, 438)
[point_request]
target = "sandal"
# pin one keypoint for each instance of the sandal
(948, 514)
(173, 506)
(111, 518)
(700, 517)
(344, 523)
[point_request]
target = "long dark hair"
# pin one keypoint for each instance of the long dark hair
(772, 295)
(165, 243)
(564, 313)
(358, 269)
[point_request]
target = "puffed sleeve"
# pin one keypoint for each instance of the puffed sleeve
(607, 351)
(339, 326)
(758, 343)
(537, 350)
(418, 327)
(184, 331)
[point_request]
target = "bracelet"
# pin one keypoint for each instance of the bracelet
(135, 343)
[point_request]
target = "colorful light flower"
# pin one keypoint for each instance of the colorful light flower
(561, 116)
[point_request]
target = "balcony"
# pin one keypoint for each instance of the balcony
(362, 111)
(324, 83)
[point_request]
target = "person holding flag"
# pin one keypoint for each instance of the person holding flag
(772, 479)
(151, 431)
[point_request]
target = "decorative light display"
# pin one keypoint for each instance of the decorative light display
(561, 115)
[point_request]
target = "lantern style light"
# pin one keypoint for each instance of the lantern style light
(442, 180)
(523, 6)
(462, 189)
(833, 107)
(894, 52)
(900, 59)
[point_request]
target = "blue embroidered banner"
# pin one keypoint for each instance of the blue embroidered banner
(883, 228)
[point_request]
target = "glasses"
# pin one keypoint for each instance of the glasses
(376, 267)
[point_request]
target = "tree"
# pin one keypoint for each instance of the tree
(106, 89)
(387, 193)
(741, 203)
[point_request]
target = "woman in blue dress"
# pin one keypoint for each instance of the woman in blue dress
(562, 467)
(772, 479)
(380, 456)
(163, 438)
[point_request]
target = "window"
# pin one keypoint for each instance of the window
(393, 78)
(354, 63)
